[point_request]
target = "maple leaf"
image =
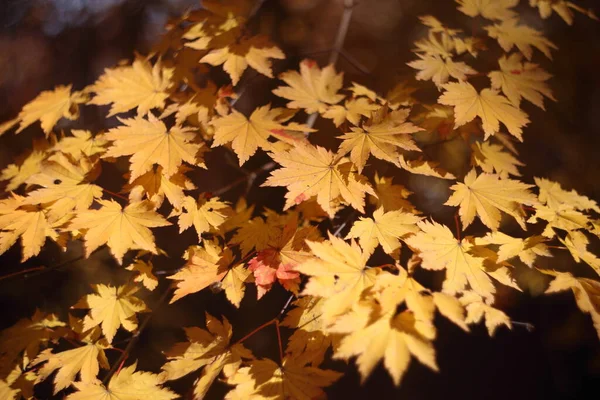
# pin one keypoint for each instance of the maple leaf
(385, 228)
(527, 249)
(309, 342)
(338, 273)
(390, 196)
(381, 140)
(390, 337)
(140, 85)
(30, 223)
(421, 167)
(82, 142)
(486, 195)
(491, 107)
(235, 59)
(489, 9)
(18, 174)
(439, 249)
(255, 233)
(85, 360)
(277, 261)
(562, 8)
(202, 214)
(233, 283)
(509, 34)
(120, 228)
(208, 349)
(291, 380)
(560, 217)
(439, 69)
(155, 186)
(586, 292)
(125, 384)
(391, 291)
(148, 142)
(491, 158)
(313, 89)
(352, 110)
(144, 273)
(48, 107)
(111, 307)
(576, 242)
(314, 171)
(247, 135)
(65, 184)
(554, 196)
(477, 310)
(205, 265)
(521, 80)
(26, 336)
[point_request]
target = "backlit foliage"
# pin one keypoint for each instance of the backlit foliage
(337, 215)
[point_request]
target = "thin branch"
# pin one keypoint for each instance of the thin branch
(340, 38)
(530, 327)
(270, 322)
(279, 341)
(135, 338)
(40, 270)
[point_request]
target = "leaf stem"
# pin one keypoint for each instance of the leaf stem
(272, 321)
(457, 224)
(279, 341)
(117, 195)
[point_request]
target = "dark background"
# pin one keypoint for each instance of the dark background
(48, 42)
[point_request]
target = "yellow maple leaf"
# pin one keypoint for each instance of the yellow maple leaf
(491, 158)
(554, 196)
(576, 242)
(439, 249)
(439, 69)
(390, 337)
(148, 142)
(421, 167)
(390, 196)
(155, 186)
(310, 341)
(382, 140)
(562, 217)
(208, 349)
(486, 195)
(265, 379)
(562, 8)
(203, 214)
(125, 384)
(477, 310)
(18, 174)
(111, 307)
(390, 291)
(25, 337)
(586, 292)
(490, 106)
(509, 34)
(313, 89)
(144, 273)
(527, 249)
(85, 360)
(338, 273)
(48, 107)
(248, 134)
(489, 9)
(120, 228)
(65, 186)
(205, 265)
(314, 171)
(236, 58)
(140, 85)
(521, 80)
(255, 233)
(352, 110)
(234, 283)
(385, 228)
(82, 142)
(30, 223)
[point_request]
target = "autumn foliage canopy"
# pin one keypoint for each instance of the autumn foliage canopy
(345, 240)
